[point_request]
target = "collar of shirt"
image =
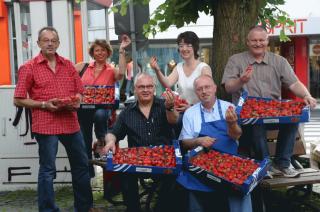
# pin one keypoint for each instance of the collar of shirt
(135, 105)
(40, 58)
(252, 60)
(203, 109)
(93, 65)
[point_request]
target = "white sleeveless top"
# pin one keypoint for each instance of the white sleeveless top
(185, 84)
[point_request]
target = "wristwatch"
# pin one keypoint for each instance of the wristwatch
(170, 109)
(43, 105)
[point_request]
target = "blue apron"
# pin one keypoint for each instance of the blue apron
(216, 129)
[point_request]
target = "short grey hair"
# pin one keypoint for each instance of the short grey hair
(140, 74)
(202, 75)
(47, 28)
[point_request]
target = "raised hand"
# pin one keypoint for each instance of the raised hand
(247, 74)
(125, 41)
(154, 63)
(231, 116)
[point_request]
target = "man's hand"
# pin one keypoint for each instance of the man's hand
(231, 116)
(154, 63)
(247, 74)
(125, 41)
(182, 107)
(206, 141)
(110, 144)
(309, 100)
(51, 105)
(169, 99)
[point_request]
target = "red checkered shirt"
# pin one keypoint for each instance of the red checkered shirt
(38, 82)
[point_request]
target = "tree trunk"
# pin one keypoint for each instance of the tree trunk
(232, 20)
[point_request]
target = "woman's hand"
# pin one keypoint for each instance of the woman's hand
(154, 63)
(125, 42)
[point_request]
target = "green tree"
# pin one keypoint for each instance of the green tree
(232, 20)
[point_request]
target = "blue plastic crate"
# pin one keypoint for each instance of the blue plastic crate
(304, 117)
(110, 166)
(219, 183)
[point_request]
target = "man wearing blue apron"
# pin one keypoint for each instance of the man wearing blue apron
(204, 124)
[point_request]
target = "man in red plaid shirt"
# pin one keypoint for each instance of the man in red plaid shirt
(42, 81)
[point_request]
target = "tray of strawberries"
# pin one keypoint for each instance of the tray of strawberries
(69, 101)
(257, 110)
(101, 96)
(224, 171)
(163, 159)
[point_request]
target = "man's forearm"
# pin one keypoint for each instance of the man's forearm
(28, 103)
(172, 116)
(233, 85)
(299, 89)
(234, 130)
(190, 143)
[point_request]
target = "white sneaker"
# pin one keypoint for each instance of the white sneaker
(274, 171)
(286, 172)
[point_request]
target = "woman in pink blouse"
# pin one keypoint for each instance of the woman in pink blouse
(99, 72)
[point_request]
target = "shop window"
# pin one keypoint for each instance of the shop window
(25, 31)
(314, 66)
(96, 22)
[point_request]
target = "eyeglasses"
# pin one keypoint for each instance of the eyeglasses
(46, 41)
(184, 45)
(205, 88)
(145, 87)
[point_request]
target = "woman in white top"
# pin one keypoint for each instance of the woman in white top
(185, 72)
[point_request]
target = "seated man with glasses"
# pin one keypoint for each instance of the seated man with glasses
(148, 121)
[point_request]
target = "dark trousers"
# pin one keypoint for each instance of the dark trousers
(167, 199)
(88, 118)
(255, 136)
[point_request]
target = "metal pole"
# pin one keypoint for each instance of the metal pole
(107, 24)
(84, 20)
(133, 38)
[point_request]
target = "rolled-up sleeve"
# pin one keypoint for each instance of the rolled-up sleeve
(187, 131)
(231, 71)
(119, 129)
(24, 83)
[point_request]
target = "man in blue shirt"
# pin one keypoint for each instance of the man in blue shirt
(211, 122)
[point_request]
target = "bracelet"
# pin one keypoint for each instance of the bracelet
(43, 105)
(122, 51)
(170, 109)
(304, 96)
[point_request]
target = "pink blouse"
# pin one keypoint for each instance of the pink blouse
(106, 76)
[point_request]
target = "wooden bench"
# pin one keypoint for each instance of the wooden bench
(308, 176)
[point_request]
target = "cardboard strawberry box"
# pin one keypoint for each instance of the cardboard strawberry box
(101, 96)
(257, 110)
(164, 159)
(224, 171)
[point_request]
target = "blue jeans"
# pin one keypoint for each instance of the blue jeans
(88, 118)
(216, 201)
(75, 148)
(256, 136)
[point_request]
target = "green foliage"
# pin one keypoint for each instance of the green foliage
(182, 12)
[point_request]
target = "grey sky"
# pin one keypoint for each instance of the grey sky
(302, 8)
